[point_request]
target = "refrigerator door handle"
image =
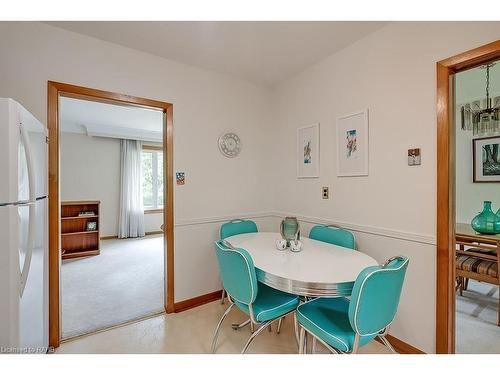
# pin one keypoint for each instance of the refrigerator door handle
(29, 162)
(32, 210)
(29, 250)
(18, 203)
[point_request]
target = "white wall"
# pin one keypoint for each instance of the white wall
(90, 170)
(393, 210)
(206, 104)
(470, 86)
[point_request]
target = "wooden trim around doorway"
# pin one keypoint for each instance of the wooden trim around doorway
(445, 291)
(54, 91)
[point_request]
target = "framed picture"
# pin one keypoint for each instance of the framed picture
(91, 225)
(486, 159)
(352, 144)
(414, 156)
(308, 151)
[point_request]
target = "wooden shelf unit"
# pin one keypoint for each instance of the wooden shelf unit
(76, 240)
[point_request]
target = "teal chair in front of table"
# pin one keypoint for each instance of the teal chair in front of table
(263, 305)
(334, 235)
(232, 228)
(344, 325)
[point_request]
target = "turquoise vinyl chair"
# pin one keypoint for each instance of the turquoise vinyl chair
(237, 226)
(344, 325)
(334, 235)
(264, 305)
(232, 228)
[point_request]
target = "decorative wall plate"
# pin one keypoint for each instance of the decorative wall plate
(229, 145)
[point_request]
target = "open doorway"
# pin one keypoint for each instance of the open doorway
(467, 260)
(110, 209)
(111, 189)
(477, 189)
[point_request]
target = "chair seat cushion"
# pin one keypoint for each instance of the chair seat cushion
(477, 265)
(270, 304)
(328, 319)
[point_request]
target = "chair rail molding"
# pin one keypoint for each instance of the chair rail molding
(373, 230)
(368, 229)
(222, 219)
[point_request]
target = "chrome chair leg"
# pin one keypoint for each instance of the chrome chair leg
(388, 344)
(355, 346)
(278, 330)
(305, 342)
(223, 296)
(216, 333)
(313, 346)
(302, 339)
(237, 326)
(315, 338)
(255, 334)
(252, 327)
(296, 329)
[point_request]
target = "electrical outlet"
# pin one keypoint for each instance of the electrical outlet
(325, 193)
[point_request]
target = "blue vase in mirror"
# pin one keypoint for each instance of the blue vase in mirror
(487, 222)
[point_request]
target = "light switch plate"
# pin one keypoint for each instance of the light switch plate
(325, 192)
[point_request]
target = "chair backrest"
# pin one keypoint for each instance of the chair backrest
(375, 296)
(333, 235)
(237, 272)
(237, 226)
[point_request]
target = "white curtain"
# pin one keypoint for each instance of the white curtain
(131, 222)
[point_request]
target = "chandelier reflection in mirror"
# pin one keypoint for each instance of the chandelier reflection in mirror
(482, 116)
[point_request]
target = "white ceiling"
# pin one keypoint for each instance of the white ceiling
(261, 52)
(78, 116)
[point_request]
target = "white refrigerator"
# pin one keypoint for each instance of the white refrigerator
(23, 231)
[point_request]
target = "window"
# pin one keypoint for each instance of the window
(152, 178)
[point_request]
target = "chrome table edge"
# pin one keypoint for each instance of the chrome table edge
(304, 288)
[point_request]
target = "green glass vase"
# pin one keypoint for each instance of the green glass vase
(487, 222)
(290, 229)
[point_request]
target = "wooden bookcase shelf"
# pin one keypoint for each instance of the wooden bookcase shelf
(76, 240)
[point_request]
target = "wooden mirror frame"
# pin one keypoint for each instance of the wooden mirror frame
(56, 90)
(445, 237)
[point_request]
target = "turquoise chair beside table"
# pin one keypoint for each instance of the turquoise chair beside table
(264, 305)
(333, 235)
(237, 226)
(344, 325)
(232, 228)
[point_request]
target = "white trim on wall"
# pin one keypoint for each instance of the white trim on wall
(377, 231)
(222, 219)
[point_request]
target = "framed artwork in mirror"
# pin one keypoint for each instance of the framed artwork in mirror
(486, 159)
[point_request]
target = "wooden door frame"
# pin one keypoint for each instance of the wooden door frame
(54, 91)
(445, 238)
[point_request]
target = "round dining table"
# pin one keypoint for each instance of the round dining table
(320, 269)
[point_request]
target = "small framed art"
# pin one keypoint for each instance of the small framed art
(352, 144)
(486, 159)
(91, 225)
(308, 151)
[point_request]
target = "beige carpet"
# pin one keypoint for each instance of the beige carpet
(123, 283)
(477, 314)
